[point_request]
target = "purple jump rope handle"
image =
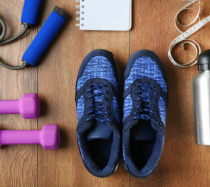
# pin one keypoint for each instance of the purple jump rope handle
(48, 137)
(28, 106)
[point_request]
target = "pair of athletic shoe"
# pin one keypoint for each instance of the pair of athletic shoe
(99, 129)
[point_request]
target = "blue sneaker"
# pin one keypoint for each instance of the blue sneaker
(144, 113)
(98, 118)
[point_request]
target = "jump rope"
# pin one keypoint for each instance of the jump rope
(44, 37)
(29, 105)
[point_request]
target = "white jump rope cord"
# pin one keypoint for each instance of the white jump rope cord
(186, 34)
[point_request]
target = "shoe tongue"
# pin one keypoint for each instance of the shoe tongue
(142, 130)
(99, 130)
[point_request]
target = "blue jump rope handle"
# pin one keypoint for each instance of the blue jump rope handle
(30, 12)
(45, 36)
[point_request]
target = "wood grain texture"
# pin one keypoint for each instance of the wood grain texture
(56, 86)
(182, 164)
(18, 164)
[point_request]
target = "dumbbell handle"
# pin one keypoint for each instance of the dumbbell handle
(9, 107)
(48, 137)
(28, 106)
(12, 137)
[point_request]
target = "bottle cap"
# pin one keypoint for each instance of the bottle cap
(204, 61)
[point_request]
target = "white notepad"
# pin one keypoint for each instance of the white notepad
(107, 15)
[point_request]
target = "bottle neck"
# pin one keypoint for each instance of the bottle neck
(203, 67)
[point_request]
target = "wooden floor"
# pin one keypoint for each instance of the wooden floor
(183, 163)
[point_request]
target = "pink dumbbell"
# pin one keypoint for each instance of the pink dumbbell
(48, 137)
(28, 106)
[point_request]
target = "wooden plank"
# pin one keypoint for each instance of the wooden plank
(56, 86)
(18, 164)
(183, 163)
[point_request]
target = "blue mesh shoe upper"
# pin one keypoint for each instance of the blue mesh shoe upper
(144, 113)
(98, 118)
(98, 67)
(146, 67)
(127, 107)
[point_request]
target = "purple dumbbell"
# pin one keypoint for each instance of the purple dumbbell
(48, 137)
(28, 106)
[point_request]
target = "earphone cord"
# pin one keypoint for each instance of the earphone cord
(2, 35)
